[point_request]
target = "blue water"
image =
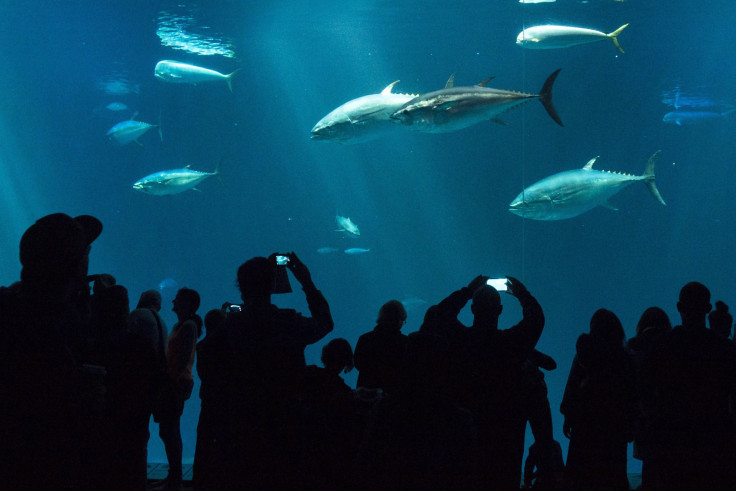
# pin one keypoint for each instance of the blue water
(432, 209)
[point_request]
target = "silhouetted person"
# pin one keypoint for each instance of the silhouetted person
(599, 406)
(124, 431)
(720, 320)
(143, 366)
(441, 320)
(693, 376)
(263, 349)
(177, 387)
(416, 437)
(213, 395)
(332, 425)
(149, 328)
(379, 354)
(322, 385)
(544, 466)
(44, 389)
(491, 382)
(653, 326)
(337, 357)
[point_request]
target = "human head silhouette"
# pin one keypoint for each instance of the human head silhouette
(392, 314)
(56, 247)
(255, 277)
(186, 301)
(720, 320)
(150, 299)
(486, 306)
(694, 304)
(606, 327)
(337, 356)
(654, 319)
(694, 297)
(214, 320)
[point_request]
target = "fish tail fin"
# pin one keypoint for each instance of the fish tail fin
(217, 171)
(649, 177)
(229, 79)
(545, 97)
(614, 36)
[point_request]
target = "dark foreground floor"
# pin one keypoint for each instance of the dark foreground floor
(157, 471)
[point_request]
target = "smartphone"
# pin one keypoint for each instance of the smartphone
(498, 283)
(282, 260)
(235, 308)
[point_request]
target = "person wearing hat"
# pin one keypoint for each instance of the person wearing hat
(42, 408)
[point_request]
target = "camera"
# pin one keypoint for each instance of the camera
(281, 260)
(235, 308)
(499, 284)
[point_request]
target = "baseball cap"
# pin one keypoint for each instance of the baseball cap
(56, 240)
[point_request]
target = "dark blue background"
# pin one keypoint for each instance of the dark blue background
(432, 209)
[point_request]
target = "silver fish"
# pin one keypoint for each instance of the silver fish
(130, 130)
(173, 181)
(356, 250)
(570, 193)
(681, 118)
(327, 250)
(454, 108)
(553, 37)
(183, 73)
(116, 106)
(347, 226)
(361, 119)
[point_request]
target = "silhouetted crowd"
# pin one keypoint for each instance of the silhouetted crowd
(442, 408)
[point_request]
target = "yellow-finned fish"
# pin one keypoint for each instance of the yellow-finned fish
(182, 73)
(554, 37)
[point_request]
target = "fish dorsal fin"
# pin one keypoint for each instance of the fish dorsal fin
(132, 118)
(608, 205)
(590, 163)
(187, 166)
(450, 82)
(483, 82)
(388, 88)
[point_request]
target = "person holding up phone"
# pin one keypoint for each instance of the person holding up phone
(261, 351)
(487, 378)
